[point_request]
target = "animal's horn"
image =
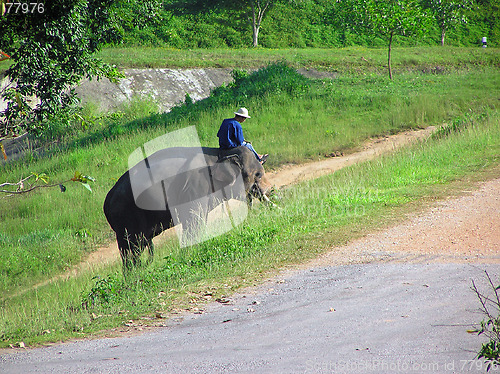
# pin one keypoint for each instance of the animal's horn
(269, 201)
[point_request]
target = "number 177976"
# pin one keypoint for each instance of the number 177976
(24, 8)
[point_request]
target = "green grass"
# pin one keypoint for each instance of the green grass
(344, 60)
(359, 60)
(294, 119)
(314, 216)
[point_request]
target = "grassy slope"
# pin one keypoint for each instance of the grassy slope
(345, 60)
(294, 119)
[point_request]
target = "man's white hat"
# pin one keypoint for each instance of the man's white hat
(242, 112)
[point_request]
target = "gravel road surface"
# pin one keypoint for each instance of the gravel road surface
(363, 318)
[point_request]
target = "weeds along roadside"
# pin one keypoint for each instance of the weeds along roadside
(295, 119)
(315, 216)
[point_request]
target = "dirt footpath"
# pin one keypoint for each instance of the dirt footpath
(291, 174)
(282, 177)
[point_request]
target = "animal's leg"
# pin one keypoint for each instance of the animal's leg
(131, 247)
(137, 245)
(194, 225)
(125, 253)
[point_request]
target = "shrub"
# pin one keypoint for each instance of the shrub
(105, 291)
(490, 326)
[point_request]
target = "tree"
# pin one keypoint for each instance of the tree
(256, 9)
(253, 10)
(386, 18)
(448, 13)
(52, 46)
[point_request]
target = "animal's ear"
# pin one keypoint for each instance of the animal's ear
(227, 171)
(237, 162)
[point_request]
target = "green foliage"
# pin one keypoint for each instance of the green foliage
(51, 53)
(485, 21)
(448, 13)
(41, 180)
(251, 11)
(105, 291)
(188, 100)
(490, 351)
(298, 24)
(384, 18)
(83, 179)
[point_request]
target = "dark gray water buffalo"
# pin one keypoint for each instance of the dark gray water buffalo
(140, 204)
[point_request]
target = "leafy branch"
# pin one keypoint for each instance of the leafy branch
(34, 181)
(51, 52)
(490, 326)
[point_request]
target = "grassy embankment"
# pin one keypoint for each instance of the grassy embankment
(358, 60)
(343, 60)
(43, 233)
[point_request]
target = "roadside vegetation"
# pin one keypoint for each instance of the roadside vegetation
(295, 119)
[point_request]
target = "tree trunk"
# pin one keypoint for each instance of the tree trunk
(443, 31)
(258, 11)
(255, 27)
(255, 35)
(389, 56)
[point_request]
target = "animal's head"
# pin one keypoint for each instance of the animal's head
(242, 161)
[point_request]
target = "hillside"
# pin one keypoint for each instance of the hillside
(288, 24)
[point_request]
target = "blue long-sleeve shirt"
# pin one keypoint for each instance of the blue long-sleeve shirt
(230, 134)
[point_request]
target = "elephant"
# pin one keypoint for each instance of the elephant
(141, 204)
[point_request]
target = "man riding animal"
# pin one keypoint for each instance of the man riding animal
(231, 134)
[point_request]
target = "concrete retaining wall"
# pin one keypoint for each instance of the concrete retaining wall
(167, 87)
